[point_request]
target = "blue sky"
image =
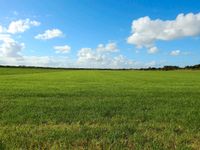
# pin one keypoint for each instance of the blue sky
(98, 33)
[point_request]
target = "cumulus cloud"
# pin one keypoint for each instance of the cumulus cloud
(175, 52)
(20, 26)
(62, 49)
(98, 54)
(89, 58)
(49, 34)
(145, 31)
(9, 47)
(92, 58)
(100, 58)
(88, 55)
(10, 54)
(123, 62)
(11, 50)
(110, 47)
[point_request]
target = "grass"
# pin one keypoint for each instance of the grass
(88, 109)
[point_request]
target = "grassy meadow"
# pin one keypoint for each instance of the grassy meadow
(98, 109)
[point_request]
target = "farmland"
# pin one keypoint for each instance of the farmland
(99, 109)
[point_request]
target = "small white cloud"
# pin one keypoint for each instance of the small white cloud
(110, 47)
(49, 34)
(175, 52)
(62, 49)
(20, 26)
(145, 31)
(153, 50)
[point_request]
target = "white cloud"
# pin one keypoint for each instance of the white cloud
(40, 61)
(87, 55)
(49, 34)
(175, 52)
(110, 47)
(20, 26)
(10, 54)
(10, 47)
(46, 61)
(89, 58)
(145, 32)
(62, 49)
(122, 62)
(153, 50)
(99, 57)
(95, 58)
(25, 61)
(1, 29)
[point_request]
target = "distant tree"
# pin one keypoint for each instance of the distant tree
(170, 68)
(193, 67)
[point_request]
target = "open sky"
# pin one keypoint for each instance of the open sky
(100, 33)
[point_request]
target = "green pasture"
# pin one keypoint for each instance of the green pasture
(99, 109)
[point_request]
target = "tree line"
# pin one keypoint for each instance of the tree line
(164, 68)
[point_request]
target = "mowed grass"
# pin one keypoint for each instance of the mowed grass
(93, 109)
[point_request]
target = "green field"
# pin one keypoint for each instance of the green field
(96, 109)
